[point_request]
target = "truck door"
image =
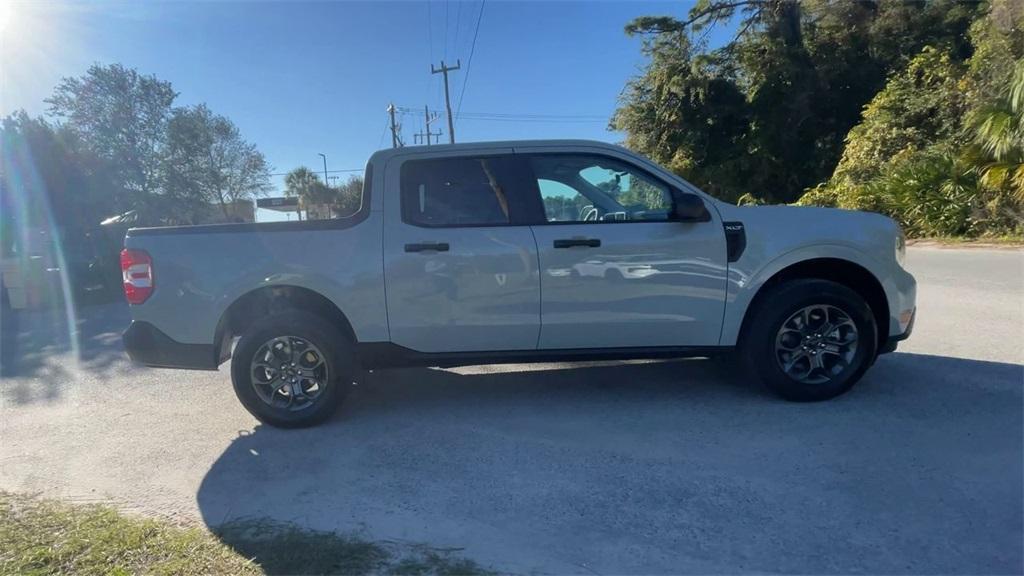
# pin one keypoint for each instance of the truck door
(460, 266)
(615, 270)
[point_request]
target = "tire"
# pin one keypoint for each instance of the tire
(779, 321)
(299, 336)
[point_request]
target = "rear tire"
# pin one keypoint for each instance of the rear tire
(799, 340)
(291, 369)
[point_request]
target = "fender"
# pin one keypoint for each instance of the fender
(746, 278)
(339, 294)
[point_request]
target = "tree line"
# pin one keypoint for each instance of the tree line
(910, 108)
(113, 141)
(322, 200)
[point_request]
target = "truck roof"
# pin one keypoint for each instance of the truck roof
(386, 153)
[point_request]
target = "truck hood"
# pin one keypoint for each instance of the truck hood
(784, 228)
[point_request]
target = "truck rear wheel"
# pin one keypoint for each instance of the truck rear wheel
(291, 369)
(810, 339)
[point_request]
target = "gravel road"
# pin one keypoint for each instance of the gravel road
(642, 467)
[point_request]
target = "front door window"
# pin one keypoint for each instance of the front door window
(598, 189)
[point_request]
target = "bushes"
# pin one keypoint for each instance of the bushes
(940, 148)
(930, 193)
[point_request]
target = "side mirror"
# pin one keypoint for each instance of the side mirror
(688, 207)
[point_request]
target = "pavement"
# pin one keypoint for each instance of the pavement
(600, 468)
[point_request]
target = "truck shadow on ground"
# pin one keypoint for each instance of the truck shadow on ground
(657, 467)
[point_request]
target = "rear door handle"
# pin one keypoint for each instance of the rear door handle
(427, 247)
(570, 242)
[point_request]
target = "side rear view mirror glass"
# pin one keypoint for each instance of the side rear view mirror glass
(688, 207)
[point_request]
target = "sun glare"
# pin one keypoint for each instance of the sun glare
(39, 43)
(6, 14)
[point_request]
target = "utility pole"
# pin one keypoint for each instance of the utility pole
(427, 119)
(447, 101)
(324, 156)
(396, 140)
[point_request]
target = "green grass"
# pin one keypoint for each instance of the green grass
(48, 537)
(1009, 241)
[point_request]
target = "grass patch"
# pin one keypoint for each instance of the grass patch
(1007, 241)
(47, 537)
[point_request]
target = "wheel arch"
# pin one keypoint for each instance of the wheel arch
(245, 309)
(839, 270)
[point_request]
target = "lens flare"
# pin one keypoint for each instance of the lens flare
(6, 14)
(28, 199)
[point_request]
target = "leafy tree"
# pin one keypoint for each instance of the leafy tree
(208, 162)
(940, 146)
(113, 144)
(767, 113)
(564, 207)
(50, 182)
(300, 181)
(50, 170)
(120, 116)
(684, 113)
(920, 106)
(307, 186)
(349, 197)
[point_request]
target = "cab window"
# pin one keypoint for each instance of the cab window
(447, 192)
(585, 188)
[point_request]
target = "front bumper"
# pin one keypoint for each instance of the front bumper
(146, 344)
(893, 342)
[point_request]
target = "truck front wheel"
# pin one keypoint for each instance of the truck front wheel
(290, 369)
(810, 339)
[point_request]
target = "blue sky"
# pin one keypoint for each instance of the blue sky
(304, 78)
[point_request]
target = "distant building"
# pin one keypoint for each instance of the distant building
(238, 211)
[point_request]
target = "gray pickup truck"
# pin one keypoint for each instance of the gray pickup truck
(518, 252)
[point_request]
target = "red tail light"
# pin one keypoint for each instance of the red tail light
(137, 272)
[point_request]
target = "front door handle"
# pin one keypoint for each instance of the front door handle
(570, 242)
(427, 247)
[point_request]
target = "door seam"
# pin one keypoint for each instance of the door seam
(540, 290)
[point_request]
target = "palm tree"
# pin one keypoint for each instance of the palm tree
(1000, 137)
(300, 182)
(306, 185)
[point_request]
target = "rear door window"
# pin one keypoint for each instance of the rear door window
(460, 192)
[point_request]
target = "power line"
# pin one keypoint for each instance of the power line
(430, 39)
(458, 21)
(534, 120)
(513, 116)
(445, 31)
(469, 63)
(430, 30)
(380, 141)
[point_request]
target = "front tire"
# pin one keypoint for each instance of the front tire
(810, 340)
(291, 369)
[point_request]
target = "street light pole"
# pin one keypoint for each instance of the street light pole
(326, 181)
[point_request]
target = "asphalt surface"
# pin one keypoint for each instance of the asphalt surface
(648, 467)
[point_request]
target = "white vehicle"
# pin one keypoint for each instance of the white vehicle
(518, 252)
